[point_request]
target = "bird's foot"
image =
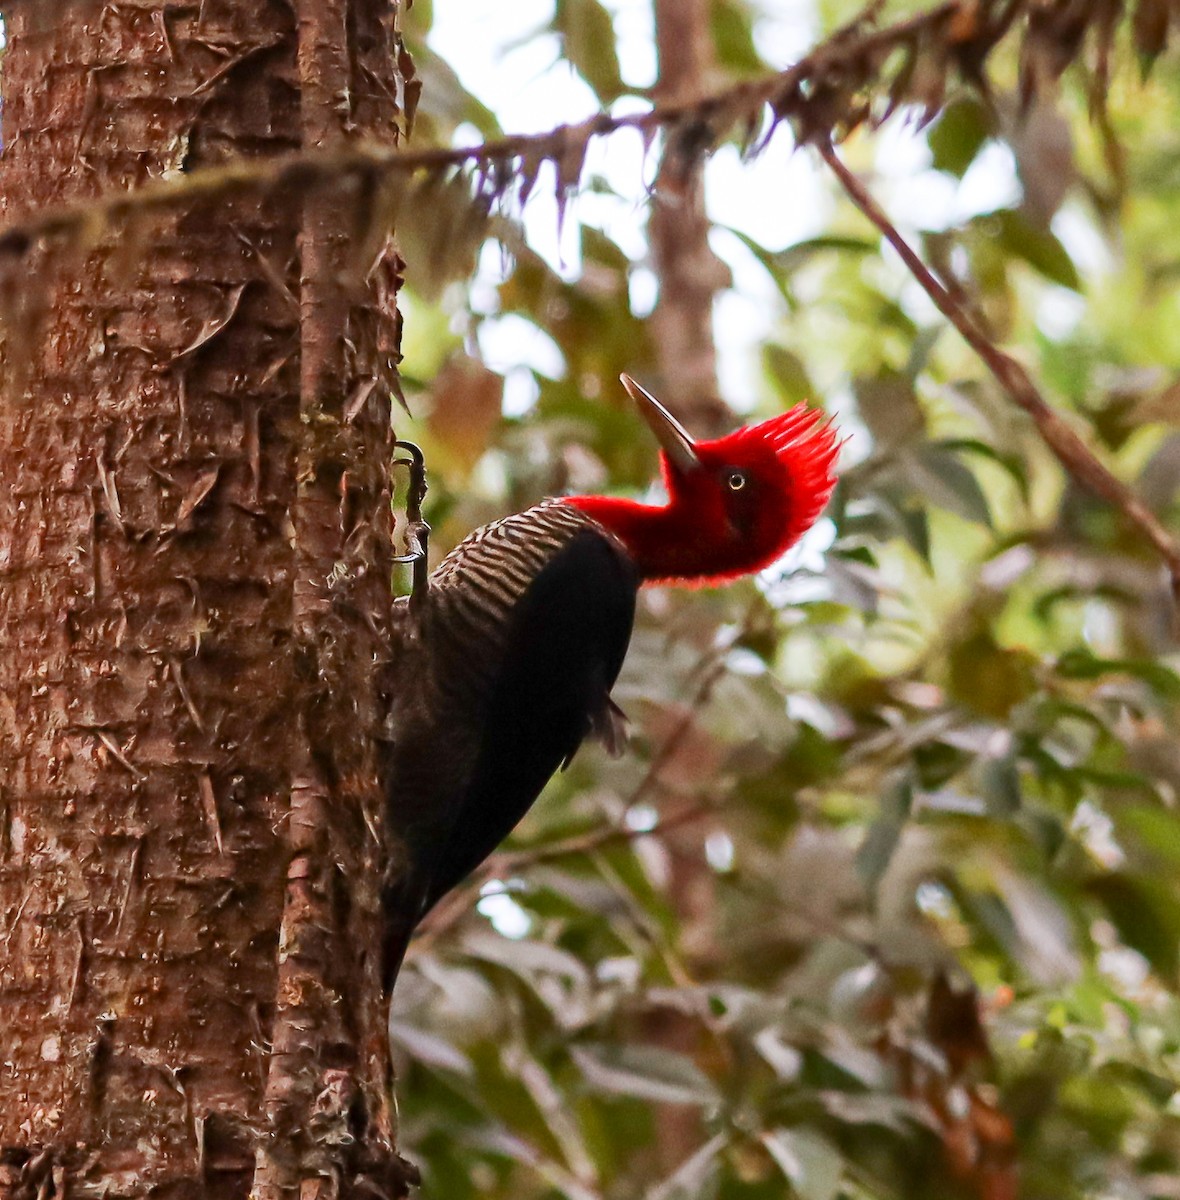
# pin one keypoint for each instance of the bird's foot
(417, 530)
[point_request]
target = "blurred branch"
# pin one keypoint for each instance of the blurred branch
(459, 902)
(829, 88)
(1073, 454)
(689, 275)
(688, 270)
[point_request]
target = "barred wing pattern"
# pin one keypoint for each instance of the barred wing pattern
(500, 675)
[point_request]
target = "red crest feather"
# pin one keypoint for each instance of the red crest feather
(735, 504)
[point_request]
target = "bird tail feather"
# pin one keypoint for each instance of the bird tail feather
(610, 726)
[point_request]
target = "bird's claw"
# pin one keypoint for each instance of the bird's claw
(417, 530)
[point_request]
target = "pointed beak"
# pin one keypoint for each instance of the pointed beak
(674, 439)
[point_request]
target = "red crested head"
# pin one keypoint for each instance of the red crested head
(735, 504)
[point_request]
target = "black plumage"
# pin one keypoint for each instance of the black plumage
(504, 666)
(510, 649)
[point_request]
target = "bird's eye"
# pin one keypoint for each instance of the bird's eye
(735, 481)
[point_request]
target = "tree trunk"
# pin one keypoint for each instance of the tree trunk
(194, 568)
(689, 276)
(689, 273)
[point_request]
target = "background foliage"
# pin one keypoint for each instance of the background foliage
(881, 901)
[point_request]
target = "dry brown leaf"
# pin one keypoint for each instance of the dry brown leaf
(466, 399)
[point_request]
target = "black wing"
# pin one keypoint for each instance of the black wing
(564, 647)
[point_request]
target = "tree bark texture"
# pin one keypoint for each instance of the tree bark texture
(689, 273)
(194, 594)
(689, 276)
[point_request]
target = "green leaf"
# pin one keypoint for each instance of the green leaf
(1013, 464)
(588, 43)
(999, 783)
(895, 514)
(988, 677)
(1040, 248)
(1081, 663)
(876, 851)
(780, 265)
(526, 957)
(889, 406)
(731, 24)
(958, 135)
(445, 101)
(788, 373)
(810, 1162)
(940, 475)
(429, 1048)
(1157, 830)
(920, 351)
(646, 1072)
(1146, 912)
(796, 254)
(936, 763)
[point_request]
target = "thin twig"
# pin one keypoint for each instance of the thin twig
(1073, 454)
(458, 903)
(598, 839)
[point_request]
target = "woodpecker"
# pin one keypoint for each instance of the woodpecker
(509, 649)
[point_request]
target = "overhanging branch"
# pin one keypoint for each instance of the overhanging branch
(861, 73)
(1073, 454)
